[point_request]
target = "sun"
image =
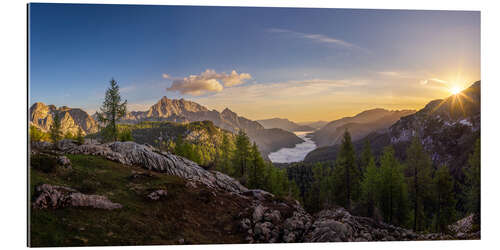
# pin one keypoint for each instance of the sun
(455, 90)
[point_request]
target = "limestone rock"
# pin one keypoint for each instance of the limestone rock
(64, 161)
(72, 119)
(131, 153)
(51, 196)
(158, 194)
(258, 213)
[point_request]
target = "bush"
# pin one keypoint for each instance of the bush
(44, 163)
(88, 186)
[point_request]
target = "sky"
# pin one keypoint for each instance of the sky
(301, 64)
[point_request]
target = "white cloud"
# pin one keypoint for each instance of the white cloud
(318, 38)
(426, 81)
(208, 81)
(165, 76)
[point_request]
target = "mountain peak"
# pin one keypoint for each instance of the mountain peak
(227, 111)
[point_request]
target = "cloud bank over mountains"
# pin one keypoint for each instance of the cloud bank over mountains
(206, 82)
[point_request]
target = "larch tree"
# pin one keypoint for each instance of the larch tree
(392, 190)
(346, 174)
(225, 154)
(79, 136)
(256, 175)
(55, 130)
(370, 187)
(241, 155)
(445, 200)
(473, 182)
(366, 156)
(419, 168)
(112, 110)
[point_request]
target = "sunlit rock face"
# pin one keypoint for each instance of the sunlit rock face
(42, 116)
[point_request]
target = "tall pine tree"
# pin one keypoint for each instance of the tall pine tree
(346, 174)
(225, 154)
(366, 156)
(112, 110)
(256, 175)
(241, 156)
(55, 131)
(445, 200)
(419, 181)
(473, 182)
(392, 191)
(370, 188)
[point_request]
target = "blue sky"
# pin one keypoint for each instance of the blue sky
(302, 64)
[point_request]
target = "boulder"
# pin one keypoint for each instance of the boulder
(66, 144)
(258, 213)
(51, 196)
(273, 216)
(64, 161)
(157, 195)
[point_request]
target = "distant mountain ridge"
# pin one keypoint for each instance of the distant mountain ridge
(284, 124)
(359, 125)
(314, 124)
(448, 129)
(42, 116)
(184, 111)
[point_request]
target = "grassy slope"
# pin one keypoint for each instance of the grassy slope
(193, 214)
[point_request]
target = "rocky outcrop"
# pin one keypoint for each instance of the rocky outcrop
(131, 153)
(464, 228)
(339, 225)
(72, 119)
(271, 221)
(50, 196)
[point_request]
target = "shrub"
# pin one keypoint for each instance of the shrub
(88, 186)
(44, 163)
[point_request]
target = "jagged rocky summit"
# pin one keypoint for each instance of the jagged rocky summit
(42, 116)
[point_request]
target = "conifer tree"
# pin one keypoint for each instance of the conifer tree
(473, 182)
(392, 191)
(366, 156)
(419, 178)
(79, 136)
(55, 131)
(112, 110)
(370, 187)
(241, 154)
(346, 174)
(256, 176)
(445, 201)
(225, 155)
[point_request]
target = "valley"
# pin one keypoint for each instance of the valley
(297, 153)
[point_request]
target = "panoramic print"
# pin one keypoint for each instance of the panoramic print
(161, 125)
